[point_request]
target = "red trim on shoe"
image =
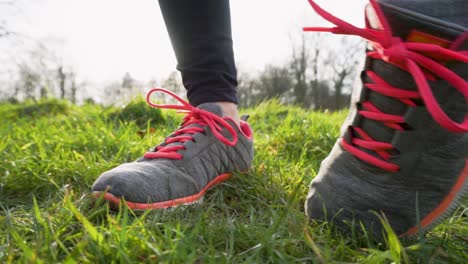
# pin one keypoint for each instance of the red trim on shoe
(444, 205)
(246, 130)
(243, 127)
(166, 204)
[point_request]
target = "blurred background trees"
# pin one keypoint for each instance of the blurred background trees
(317, 74)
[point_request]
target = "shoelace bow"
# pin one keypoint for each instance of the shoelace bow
(408, 56)
(194, 115)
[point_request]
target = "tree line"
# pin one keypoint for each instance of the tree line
(318, 74)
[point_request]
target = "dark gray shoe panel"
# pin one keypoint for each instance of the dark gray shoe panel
(423, 132)
(152, 180)
(454, 11)
(431, 158)
(346, 182)
(158, 180)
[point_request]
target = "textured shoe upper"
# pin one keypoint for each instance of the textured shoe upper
(200, 156)
(397, 154)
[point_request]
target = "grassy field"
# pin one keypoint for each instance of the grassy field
(51, 153)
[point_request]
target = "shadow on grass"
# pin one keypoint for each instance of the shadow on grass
(139, 112)
(49, 107)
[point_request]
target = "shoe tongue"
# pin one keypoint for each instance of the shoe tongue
(211, 107)
(413, 21)
(429, 21)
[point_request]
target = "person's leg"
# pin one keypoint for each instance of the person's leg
(212, 142)
(200, 32)
(404, 147)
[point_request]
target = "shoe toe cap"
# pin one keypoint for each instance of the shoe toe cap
(142, 182)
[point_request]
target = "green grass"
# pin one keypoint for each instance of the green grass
(51, 153)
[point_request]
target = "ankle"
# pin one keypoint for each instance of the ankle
(230, 109)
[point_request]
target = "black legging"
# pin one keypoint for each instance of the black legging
(200, 32)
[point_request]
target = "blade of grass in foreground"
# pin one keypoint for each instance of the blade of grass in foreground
(88, 227)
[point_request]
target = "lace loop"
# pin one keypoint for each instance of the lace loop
(393, 49)
(410, 56)
(194, 115)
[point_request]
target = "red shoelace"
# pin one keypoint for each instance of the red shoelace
(194, 115)
(415, 58)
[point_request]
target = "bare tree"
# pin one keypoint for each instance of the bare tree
(247, 90)
(42, 74)
(112, 92)
(73, 87)
(5, 30)
(299, 65)
(128, 81)
(174, 83)
(61, 80)
(275, 82)
(29, 81)
(343, 62)
(306, 66)
(316, 86)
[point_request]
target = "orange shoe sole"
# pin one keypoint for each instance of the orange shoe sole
(445, 208)
(115, 201)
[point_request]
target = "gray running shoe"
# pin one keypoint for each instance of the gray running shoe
(404, 147)
(201, 153)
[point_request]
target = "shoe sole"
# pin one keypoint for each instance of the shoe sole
(448, 205)
(187, 200)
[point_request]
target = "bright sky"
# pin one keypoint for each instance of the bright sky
(103, 39)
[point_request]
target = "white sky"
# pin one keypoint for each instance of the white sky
(103, 39)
